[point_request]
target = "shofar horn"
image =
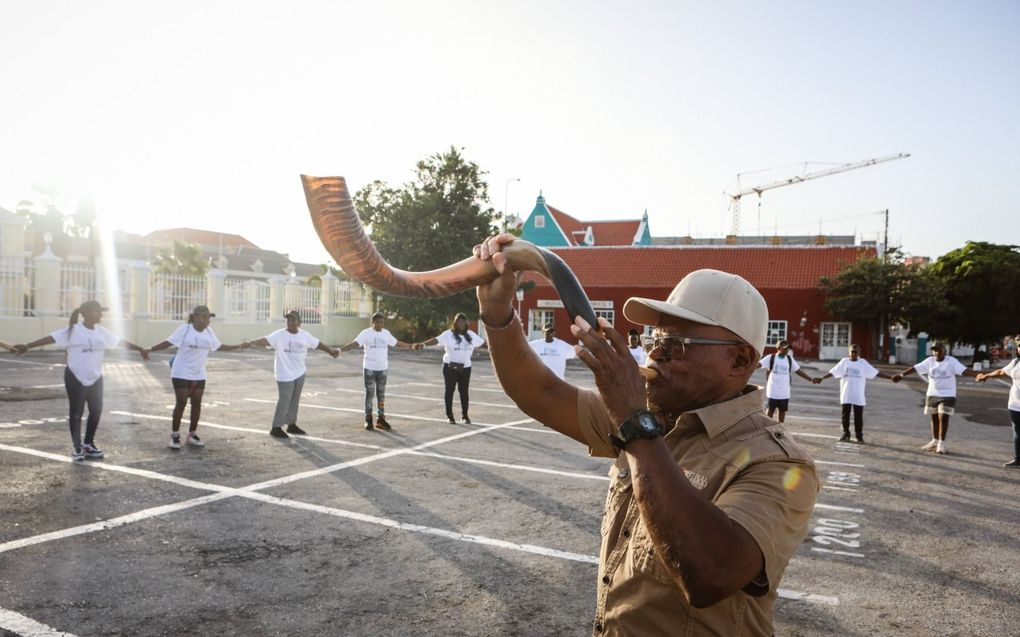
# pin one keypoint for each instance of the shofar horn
(343, 236)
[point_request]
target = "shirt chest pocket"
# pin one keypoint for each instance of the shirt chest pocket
(617, 498)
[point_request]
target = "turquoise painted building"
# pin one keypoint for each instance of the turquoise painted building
(552, 228)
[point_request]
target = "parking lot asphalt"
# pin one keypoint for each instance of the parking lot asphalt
(490, 528)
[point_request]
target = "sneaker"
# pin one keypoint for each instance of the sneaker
(91, 451)
(467, 421)
(294, 429)
(175, 441)
(77, 455)
(381, 423)
(930, 446)
(277, 432)
(450, 420)
(1013, 464)
(860, 439)
(941, 448)
(368, 423)
(845, 437)
(194, 440)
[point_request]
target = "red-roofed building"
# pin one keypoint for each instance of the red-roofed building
(787, 276)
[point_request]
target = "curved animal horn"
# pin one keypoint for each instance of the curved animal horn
(343, 236)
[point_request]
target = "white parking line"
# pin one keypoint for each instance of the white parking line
(841, 464)
(428, 399)
(833, 507)
(27, 627)
(801, 433)
(809, 597)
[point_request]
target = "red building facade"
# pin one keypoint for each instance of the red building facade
(786, 276)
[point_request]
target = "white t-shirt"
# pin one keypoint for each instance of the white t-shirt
(85, 350)
(193, 348)
(639, 355)
(555, 354)
(459, 352)
(852, 376)
(291, 351)
(1013, 371)
(941, 375)
(376, 344)
(778, 384)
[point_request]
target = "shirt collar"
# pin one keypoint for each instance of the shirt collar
(719, 417)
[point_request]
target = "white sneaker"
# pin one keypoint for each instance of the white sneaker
(77, 455)
(194, 440)
(175, 441)
(930, 446)
(941, 448)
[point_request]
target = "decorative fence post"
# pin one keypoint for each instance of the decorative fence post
(326, 300)
(47, 283)
(277, 289)
(140, 292)
(215, 292)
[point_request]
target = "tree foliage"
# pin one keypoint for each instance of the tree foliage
(980, 285)
(429, 223)
(182, 258)
(880, 292)
(46, 214)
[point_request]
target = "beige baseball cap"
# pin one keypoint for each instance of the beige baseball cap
(709, 297)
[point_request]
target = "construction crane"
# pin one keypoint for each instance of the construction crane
(735, 198)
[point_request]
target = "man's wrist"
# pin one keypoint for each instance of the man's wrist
(498, 325)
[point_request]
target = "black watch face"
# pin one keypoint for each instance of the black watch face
(648, 423)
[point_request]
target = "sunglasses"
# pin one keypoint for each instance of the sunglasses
(674, 347)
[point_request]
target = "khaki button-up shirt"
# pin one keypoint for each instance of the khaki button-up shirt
(748, 466)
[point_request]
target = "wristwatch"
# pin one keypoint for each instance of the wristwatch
(641, 424)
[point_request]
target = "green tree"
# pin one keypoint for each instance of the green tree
(182, 258)
(981, 283)
(429, 223)
(46, 214)
(880, 292)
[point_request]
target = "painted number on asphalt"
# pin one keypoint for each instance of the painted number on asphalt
(840, 534)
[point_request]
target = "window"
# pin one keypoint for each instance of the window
(776, 332)
(609, 315)
(536, 324)
(539, 221)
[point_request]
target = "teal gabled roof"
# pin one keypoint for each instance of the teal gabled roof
(541, 227)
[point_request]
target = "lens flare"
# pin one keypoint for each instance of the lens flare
(792, 478)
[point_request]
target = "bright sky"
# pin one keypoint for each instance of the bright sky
(203, 114)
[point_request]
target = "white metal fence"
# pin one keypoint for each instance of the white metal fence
(351, 299)
(173, 296)
(247, 299)
(77, 285)
(17, 287)
(305, 300)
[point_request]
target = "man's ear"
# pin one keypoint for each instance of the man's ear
(744, 359)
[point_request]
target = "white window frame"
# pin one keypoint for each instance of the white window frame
(609, 315)
(539, 221)
(537, 318)
(775, 331)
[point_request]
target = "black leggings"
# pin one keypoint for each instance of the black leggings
(78, 396)
(858, 419)
(460, 381)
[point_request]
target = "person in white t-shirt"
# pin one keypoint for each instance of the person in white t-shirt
(86, 346)
(553, 352)
(635, 348)
(377, 342)
(853, 372)
(940, 399)
(1012, 370)
(194, 341)
(291, 345)
(459, 342)
(778, 369)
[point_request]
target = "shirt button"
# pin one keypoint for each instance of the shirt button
(779, 434)
(598, 627)
(605, 579)
(626, 533)
(623, 473)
